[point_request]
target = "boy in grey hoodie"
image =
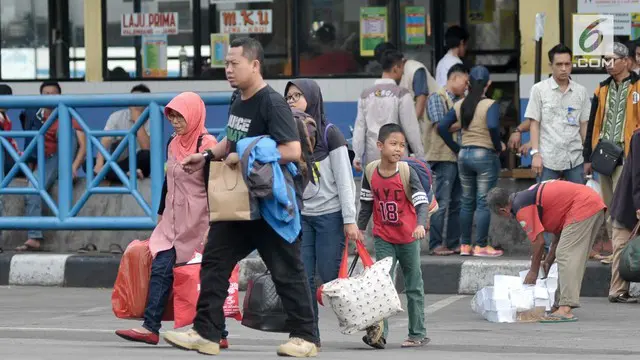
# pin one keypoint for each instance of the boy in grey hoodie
(384, 103)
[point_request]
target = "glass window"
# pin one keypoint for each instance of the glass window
(76, 42)
(416, 39)
(180, 46)
(121, 52)
(492, 26)
(25, 40)
(330, 33)
(254, 19)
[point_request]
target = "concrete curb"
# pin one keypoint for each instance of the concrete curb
(441, 275)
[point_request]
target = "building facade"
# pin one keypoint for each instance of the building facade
(97, 46)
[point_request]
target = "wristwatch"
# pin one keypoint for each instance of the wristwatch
(533, 152)
(208, 154)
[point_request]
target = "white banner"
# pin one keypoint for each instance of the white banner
(246, 21)
(137, 24)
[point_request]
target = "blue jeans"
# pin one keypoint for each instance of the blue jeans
(575, 175)
(448, 192)
(33, 203)
(160, 286)
(323, 242)
(479, 168)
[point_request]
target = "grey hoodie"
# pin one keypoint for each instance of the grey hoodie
(335, 190)
(385, 102)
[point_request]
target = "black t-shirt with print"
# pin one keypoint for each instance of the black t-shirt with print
(265, 113)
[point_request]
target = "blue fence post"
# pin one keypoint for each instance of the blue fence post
(65, 177)
(157, 166)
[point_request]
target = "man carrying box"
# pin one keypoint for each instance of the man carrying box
(573, 213)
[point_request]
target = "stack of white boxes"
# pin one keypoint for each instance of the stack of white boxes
(502, 302)
(545, 289)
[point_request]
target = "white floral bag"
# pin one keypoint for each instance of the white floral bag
(365, 299)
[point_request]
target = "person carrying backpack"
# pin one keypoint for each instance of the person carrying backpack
(400, 220)
(329, 214)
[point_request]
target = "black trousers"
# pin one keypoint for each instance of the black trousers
(143, 162)
(230, 242)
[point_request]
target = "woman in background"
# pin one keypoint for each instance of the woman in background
(478, 159)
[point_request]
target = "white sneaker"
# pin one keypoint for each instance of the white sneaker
(299, 348)
(191, 340)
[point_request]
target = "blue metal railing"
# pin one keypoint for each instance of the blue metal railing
(65, 213)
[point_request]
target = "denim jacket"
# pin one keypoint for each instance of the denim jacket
(278, 205)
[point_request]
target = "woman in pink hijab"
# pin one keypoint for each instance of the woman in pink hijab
(183, 216)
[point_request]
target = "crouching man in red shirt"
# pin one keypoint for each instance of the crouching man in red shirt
(573, 213)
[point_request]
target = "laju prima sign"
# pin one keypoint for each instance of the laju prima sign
(137, 24)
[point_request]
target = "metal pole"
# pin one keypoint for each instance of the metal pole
(539, 34)
(157, 166)
(538, 69)
(65, 185)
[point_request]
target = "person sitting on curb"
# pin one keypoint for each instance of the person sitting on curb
(124, 120)
(573, 213)
(34, 120)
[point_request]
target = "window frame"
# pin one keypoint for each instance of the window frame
(436, 10)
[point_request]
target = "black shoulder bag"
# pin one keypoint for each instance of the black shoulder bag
(606, 157)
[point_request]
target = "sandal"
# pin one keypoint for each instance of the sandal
(415, 343)
(88, 248)
(115, 249)
(26, 247)
(557, 318)
(607, 260)
(623, 299)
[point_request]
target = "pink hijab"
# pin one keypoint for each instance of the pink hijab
(191, 107)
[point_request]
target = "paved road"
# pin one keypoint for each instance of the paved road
(66, 323)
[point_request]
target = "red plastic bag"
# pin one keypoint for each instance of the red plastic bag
(186, 290)
(232, 303)
(131, 289)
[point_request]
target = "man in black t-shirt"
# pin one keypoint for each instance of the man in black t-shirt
(259, 110)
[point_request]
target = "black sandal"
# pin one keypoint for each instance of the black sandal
(115, 249)
(88, 248)
(623, 299)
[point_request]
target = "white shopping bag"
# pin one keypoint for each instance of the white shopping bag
(594, 185)
(365, 299)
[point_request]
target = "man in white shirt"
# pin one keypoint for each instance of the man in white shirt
(456, 40)
(558, 111)
(124, 120)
